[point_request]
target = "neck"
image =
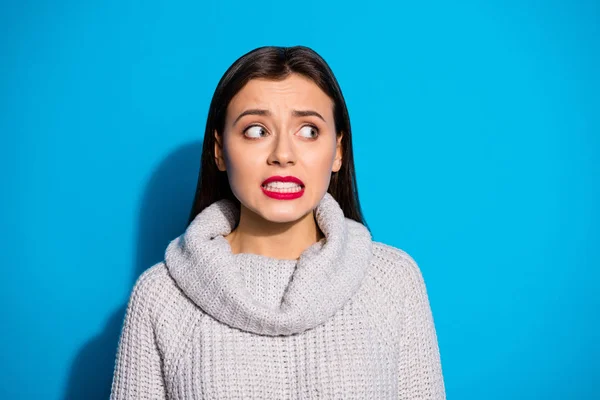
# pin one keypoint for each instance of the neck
(282, 240)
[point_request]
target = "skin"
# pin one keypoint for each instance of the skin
(255, 147)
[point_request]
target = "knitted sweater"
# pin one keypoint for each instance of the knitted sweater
(349, 319)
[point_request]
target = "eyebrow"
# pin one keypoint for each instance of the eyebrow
(307, 113)
(252, 111)
(295, 113)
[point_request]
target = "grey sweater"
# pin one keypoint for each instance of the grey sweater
(350, 319)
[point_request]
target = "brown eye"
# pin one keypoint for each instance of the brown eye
(255, 131)
(309, 131)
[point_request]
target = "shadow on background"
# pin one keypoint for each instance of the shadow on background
(164, 211)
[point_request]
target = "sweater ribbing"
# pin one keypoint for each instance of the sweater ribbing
(328, 273)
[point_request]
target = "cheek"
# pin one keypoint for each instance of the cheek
(240, 165)
(319, 162)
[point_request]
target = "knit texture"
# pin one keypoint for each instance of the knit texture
(350, 319)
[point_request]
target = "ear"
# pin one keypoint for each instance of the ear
(219, 159)
(337, 162)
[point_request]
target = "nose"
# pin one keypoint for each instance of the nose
(283, 153)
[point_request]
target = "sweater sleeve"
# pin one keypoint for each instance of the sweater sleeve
(420, 375)
(138, 367)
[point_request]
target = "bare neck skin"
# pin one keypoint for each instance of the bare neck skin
(272, 239)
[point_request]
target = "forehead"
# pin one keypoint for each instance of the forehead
(293, 92)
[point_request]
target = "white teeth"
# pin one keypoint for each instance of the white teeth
(283, 187)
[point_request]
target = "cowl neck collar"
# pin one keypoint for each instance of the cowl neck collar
(325, 277)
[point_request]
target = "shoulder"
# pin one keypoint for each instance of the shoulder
(157, 295)
(395, 260)
(150, 287)
(398, 268)
(152, 279)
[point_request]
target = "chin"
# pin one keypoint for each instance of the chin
(279, 211)
(283, 211)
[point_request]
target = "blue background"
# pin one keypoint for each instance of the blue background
(476, 128)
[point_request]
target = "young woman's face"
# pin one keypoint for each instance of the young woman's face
(279, 128)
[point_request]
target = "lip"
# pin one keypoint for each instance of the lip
(283, 196)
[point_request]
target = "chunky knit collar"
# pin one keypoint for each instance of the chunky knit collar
(326, 274)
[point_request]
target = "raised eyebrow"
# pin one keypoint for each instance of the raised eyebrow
(252, 111)
(307, 113)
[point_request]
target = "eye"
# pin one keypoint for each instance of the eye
(255, 131)
(309, 131)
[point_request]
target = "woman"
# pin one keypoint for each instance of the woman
(276, 289)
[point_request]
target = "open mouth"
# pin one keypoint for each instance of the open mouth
(283, 187)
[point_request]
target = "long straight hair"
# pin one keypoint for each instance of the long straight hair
(276, 63)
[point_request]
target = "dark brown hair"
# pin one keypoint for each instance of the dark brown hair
(276, 63)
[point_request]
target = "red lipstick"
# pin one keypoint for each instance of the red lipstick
(283, 195)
